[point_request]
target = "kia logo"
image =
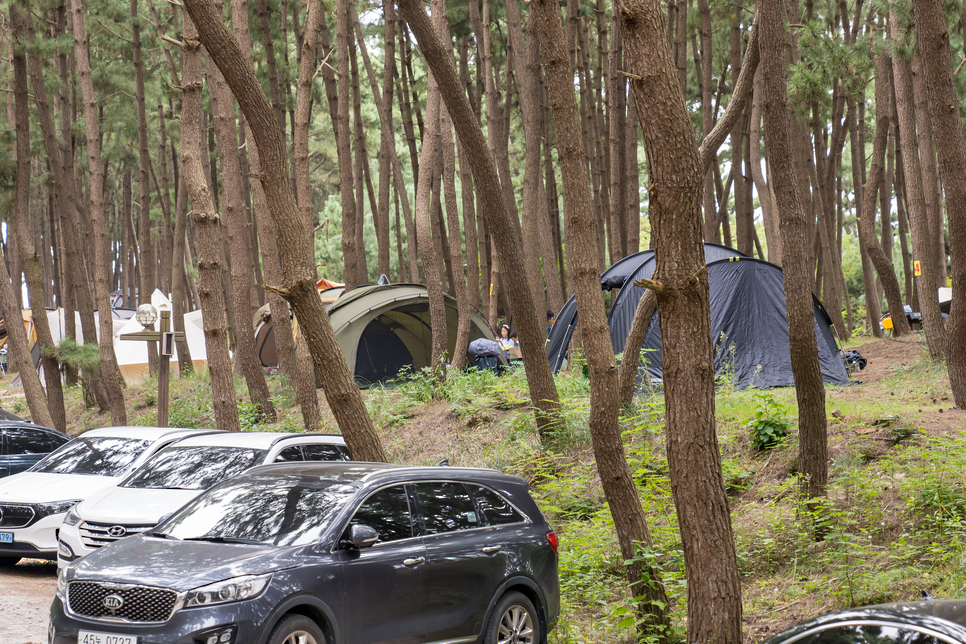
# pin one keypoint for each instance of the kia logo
(116, 531)
(113, 602)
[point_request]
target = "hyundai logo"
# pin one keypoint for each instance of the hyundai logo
(116, 531)
(1, 516)
(113, 602)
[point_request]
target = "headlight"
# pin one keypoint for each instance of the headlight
(57, 507)
(73, 517)
(62, 583)
(230, 590)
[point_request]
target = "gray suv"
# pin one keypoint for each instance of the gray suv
(326, 553)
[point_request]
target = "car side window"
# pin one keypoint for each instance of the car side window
(26, 441)
(293, 453)
(869, 634)
(495, 509)
(323, 453)
(387, 512)
(445, 507)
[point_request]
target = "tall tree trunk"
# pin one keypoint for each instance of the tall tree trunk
(314, 24)
(179, 294)
(242, 265)
(19, 16)
(207, 225)
(944, 103)
(932, 191)
(631, 359)
(384, 108)
(296, 259)
(543, 390)
(615, 474)
(350, 250)
(809, 386)
(110, 374)
(675, 173)
(386, 147)
(866, 223)
(926, 283)
(529, 92)
(147, 254)
(432, 260)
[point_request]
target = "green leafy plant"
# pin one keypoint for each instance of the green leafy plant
(770, 425)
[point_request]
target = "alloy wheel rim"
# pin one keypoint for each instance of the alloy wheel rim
(299, 637)
(516, 626)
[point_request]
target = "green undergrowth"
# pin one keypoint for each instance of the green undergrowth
(894, 520)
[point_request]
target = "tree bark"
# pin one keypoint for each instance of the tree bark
(19, 17)
(432, 260)
(242, 266)
(543, 390)
(631, 359)
(926, 283)
(883, 266)
(110, 374)
(350, 250)
(944, 103)
(146, 255)
(299, 284)
(675, 173)
(809, 386)
(207, 224)
(619, 488)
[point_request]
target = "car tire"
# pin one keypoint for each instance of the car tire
(514, 621)
(8, 562)
(296, 629)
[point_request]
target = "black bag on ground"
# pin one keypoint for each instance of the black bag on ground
(854, 360)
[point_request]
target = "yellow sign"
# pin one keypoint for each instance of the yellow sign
(917, 269)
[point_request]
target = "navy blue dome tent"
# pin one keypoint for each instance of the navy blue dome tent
(748, 321)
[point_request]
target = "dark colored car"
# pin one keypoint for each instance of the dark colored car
(326, 553)
(22, 444)
(924, 622)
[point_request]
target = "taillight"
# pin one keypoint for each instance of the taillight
(553, 540)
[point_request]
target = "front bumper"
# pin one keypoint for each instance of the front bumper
(36, 541)
(186, 626)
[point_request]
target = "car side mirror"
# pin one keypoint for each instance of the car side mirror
(362, 536)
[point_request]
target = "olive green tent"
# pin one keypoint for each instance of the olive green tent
(382, 329)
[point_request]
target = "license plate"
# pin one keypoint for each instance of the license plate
(93, 637)
(6, 537)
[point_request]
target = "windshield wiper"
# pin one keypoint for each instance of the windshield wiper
(160, 535)
(217, 538)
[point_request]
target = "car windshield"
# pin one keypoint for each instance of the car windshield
(195, 467)
(96, 456)
(281, 511)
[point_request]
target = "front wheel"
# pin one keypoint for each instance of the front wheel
(514, 621)
(296, 629)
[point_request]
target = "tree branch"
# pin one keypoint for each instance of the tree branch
(746, 80)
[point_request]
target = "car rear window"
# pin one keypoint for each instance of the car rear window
(194, 468)
(96, 456)
(445, 507)
(326, 453)
(495, 509)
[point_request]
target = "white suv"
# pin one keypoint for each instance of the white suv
(33, 503)
(175, 476)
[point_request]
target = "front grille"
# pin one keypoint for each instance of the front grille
(95, 535)
(140, 603)
(16, 516)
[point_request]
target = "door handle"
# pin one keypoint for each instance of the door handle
(490, 549)
(414, 562)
